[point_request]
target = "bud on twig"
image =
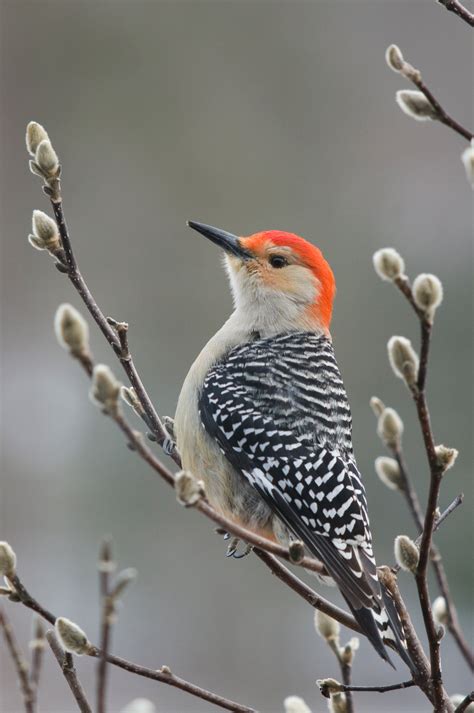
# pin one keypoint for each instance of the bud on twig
(377, 406)
(467, 157)
(338, 703)
(295, 704)
(390, 428)
(327, 627)
(71, 330)
(71, 637)
(124, 578)
(347, 652)
(7, 560)
(394, 58)
(406, 553)
(38, 640)
(188, 489)
(328, 686)
(440, 611)
(446, 457)
(388, 471)
(105, 388)
(403, 359)
(47, 159)
(388, 264)
(35, 134)
(296, 551)
(415, 104)
(129, 395)
(45, 232)
(428, 293)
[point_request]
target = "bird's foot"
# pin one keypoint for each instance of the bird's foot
(232, 548)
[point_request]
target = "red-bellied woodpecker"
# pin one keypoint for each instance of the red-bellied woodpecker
(264, 419)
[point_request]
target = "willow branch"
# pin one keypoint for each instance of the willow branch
(66, 665)
(302, 589)
(107, 611)
(419, 397)
(163, 675)
(346, 688)
(37, 649)
(455, 7)
(21, 667)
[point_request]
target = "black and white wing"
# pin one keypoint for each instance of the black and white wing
(279, 412)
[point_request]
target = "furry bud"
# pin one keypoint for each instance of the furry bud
(129, 395)
(394, 58)
(124, 578)
(45, 232)
(446, 457)
(327, 627)
(467, 157)
(440, 611)
(403, 359)
(388, 264)
(188, 490)
(296, 551)
(139, 705)
(347, 652)
(294, 704)
(71, 636)
(7, 560)
(388, 471)
(328, 686)
(35, 134)
(105, 388)
(377, 406)
(427, 293)
(338, 703)
(47, 159)
(415, 104)
(71, 330)
(390, 427)
(406, 553)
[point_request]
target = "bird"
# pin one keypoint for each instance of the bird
(264, 420)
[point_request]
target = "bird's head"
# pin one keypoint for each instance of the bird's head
(280, 281)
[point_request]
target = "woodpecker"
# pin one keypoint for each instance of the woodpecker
(263, 418)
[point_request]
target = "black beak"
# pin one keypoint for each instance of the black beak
(226, 241)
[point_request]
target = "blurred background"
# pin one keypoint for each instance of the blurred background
(245, 115)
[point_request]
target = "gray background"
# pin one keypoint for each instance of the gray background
(246, 115)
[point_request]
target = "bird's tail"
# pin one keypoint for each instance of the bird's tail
(383, 628)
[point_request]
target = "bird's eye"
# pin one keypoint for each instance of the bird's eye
(278, 261)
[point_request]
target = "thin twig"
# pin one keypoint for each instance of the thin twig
(19, 662)
(459, 10)
(66, 664)
(105, 565)
(163, 675)
(346, 671)
(37, 645)
(464, 705)
(310, 596)
(378, 689)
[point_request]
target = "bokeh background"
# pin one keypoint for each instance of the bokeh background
(246, 115)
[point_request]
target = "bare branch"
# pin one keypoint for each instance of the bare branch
(459, 10)
(19, 662)
(105, 566)
(66, 664)
(37, 645)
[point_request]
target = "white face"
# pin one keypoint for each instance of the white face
(275, 291)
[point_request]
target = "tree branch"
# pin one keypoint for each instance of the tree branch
(107, 610)
(19, 662)
(459, 10)
(163, 675)
(37, 648)
(66, 664)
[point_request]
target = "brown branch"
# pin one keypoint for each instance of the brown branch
(459, 10)
(310, 596)
(107, 610)
(346, 671)
(37, 648)
(113, 338)
(163, 675)
(66, 664)
(19, 662)
(345, 688)
(464, 705)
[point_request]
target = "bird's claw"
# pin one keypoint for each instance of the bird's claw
(232, 549)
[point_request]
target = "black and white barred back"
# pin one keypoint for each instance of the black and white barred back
(278, 409)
